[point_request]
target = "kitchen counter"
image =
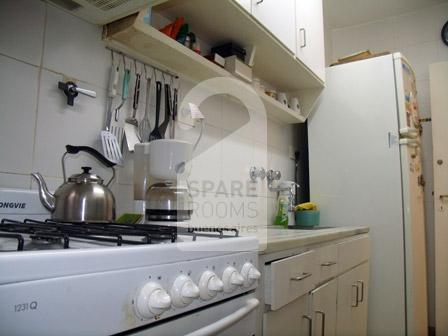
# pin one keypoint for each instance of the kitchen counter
(274, 240)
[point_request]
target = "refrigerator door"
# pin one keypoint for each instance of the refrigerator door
(355, 176)
(413, 198)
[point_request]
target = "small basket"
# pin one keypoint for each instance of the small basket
(307, 218)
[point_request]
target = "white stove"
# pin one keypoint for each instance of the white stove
(106, 279)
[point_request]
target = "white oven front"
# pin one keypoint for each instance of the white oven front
(236, 316)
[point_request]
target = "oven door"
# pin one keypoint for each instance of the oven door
(237, 316)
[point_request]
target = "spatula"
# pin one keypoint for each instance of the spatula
(116, 128)
(131, 123)
(155, 134)
(111, 148)
(167, 120)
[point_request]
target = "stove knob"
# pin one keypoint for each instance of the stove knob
(184, 291)
(209, 285)
(152, 300)
(250, 274)
(231, 279)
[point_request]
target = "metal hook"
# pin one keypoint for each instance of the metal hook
(146, 72)
(135, 66)
(176, 81)
(124, 61)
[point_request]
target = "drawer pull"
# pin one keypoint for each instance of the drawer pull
(323, 321)
(362, 290)
(302, 277)
(329, 263)
(310, 324)
(356, 304)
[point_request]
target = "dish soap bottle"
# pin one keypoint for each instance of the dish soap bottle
(282, 210)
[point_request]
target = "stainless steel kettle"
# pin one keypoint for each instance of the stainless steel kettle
(82, 197)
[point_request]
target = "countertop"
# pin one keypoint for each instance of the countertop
(274, 240)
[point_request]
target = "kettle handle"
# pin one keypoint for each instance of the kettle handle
(97, 155)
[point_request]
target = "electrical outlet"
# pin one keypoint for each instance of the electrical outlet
(292, 152)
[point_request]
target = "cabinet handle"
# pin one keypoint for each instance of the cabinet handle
(329, 263)
(362, 290)
(302, 277)
(259, 2)
(303, 33)
(357, 296)
(323, 321)
(310, 325)
(442, 197)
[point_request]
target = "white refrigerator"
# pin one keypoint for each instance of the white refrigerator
(365, 169)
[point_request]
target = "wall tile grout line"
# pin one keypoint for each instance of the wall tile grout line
(39, 78)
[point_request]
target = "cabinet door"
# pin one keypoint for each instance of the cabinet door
(323, 309)
(310, 47)
(246, 4)
(352, 302)
(290, 320)
(279, 18)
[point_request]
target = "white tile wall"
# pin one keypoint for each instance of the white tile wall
(22, 33)
(417, 36)
(18, 96)
(74, 48)
(36, 123)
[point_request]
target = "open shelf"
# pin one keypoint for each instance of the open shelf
(278, 67)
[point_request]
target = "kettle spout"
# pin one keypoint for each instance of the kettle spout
(47, 198)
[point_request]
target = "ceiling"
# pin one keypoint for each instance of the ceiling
(343, 13)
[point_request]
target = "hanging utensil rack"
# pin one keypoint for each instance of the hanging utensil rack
(145, 65)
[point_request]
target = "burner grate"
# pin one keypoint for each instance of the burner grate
(209, 232)
(62, 233)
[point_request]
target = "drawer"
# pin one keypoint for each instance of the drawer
(327, 262)
(353, 252)
(290, 278)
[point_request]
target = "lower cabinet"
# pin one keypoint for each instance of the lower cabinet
(292, 319)
(319, 292)
(352, 301)
(323, 307)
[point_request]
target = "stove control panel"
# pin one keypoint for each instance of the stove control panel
(193, 287)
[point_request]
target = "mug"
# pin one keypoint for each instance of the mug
(281, 97)
(295, 104)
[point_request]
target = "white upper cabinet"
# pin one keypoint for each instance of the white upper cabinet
(246, 4)
(310, 48)
(298, 24)
(278, 17)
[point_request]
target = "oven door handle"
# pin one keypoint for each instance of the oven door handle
(227, 321)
